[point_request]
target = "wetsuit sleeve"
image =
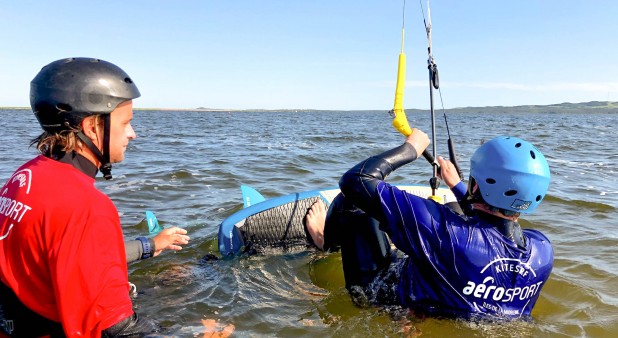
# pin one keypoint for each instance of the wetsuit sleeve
(402, 215)
(360, 183)
(459, 191)
(134, 249)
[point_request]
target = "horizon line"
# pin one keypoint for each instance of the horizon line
(608, 103)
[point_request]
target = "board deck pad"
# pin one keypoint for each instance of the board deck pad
(278, 228)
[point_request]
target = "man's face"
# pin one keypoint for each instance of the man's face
(121, 131)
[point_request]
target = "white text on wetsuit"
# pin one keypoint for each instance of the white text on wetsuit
(512, 268)
(499, 293)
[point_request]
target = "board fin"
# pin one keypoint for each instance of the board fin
(250, 196)
(153, 224)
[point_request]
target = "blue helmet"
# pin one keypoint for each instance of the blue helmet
(511, 174)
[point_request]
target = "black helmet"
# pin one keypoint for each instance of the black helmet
(66, 91)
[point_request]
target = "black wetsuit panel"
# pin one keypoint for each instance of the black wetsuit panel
(354, 216)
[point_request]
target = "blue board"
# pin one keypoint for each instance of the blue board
(278, 223)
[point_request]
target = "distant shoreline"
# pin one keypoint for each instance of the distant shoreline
(610, 107)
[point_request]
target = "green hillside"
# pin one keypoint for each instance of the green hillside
(561, 108)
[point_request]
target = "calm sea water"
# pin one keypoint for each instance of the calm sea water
(187, 168)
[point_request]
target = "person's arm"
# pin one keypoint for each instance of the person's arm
(167, 239)
(450, 176)
(360, 183)
(135, 249)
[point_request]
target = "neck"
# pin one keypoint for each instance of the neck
(484, 208)
(506, 225)
(80, 162)
(87, 153)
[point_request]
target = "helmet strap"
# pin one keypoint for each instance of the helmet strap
(88, 142)
(106, 166)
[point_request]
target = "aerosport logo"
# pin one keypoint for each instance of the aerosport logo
(489, 291)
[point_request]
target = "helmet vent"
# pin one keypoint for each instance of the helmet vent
(532, 154)
(490, 181)
(517, 145)
(510, 193)
(539, 198)
(128, 80)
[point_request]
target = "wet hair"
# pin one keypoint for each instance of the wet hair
(55, 144)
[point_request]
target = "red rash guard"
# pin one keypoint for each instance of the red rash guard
(62, 249)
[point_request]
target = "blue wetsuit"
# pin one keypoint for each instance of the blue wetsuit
(452, 264)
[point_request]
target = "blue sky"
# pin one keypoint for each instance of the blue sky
(321, 54)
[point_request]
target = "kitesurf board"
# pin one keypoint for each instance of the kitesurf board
(278, 224)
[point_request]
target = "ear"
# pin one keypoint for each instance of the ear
(89, 128)
(472, 186)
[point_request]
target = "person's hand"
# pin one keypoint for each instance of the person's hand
(447, 172)
(214, 328)
(419, 140)
(170, 239)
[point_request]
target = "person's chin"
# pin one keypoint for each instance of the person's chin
(117, 159)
